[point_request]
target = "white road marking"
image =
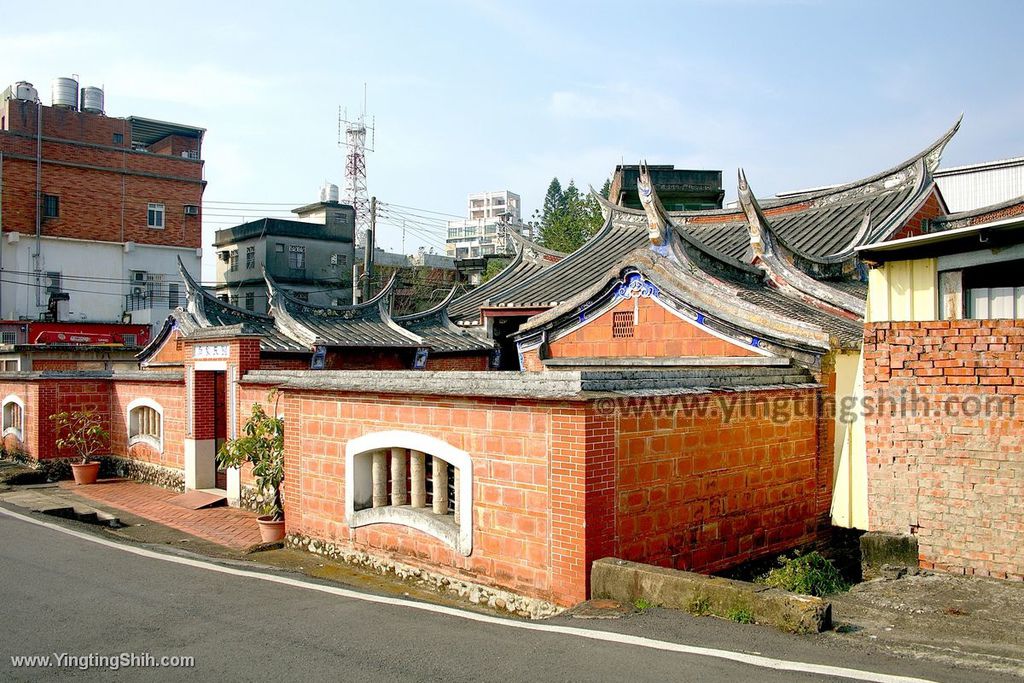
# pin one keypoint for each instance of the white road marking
(650, 643)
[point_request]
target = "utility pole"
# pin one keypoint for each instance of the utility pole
(371, 234)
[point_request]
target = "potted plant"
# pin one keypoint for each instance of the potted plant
(262, 445)
(82, 432)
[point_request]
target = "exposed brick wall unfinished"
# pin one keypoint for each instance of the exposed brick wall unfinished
(952, 479)
(708, 482)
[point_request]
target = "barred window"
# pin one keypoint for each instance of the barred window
(145, 423)
(622, 324)
(13, 416)
(250, 258)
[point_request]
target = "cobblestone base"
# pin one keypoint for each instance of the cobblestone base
(147, 473)
(513, 603)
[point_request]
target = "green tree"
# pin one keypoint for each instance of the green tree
(494, 266)
(606, 189)
(576, 219)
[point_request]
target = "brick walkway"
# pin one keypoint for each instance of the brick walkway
(227, 526)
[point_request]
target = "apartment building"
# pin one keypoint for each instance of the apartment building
(483, 231)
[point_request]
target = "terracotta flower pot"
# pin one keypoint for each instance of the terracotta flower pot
(271, 530)
(85, 473)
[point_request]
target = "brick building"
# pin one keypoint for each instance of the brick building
(95, 207)
(944, 372)
(680, 374)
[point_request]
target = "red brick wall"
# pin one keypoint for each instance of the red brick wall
(459, 361)
(710, 482)
(657, 333)
(171, 397)
(951, 478)
(104, 190)
(931, 208)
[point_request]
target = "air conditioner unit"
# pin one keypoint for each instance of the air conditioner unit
(224, 255)
(138, 292)
(191, 210)
(139, 276)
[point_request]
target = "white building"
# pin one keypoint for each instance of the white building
(992, 182)
(483, 232)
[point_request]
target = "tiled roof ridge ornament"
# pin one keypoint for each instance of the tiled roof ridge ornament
(771, 256)
(658, 223)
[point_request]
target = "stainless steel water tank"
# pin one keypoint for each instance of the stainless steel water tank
(65, 93)
(92, 99)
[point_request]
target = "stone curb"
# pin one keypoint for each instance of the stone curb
(708, 595)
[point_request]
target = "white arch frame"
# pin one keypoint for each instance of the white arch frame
(15, 399)
(158, 444)
(357, 474)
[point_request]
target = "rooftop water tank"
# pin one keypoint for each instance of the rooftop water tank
(92, 99)
(65, 93)
(23, 90)
(329, 193)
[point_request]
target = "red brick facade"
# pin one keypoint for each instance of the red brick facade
(949, 469)
(104, 187)
(652, 332)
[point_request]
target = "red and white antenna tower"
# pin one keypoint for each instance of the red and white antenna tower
(354, 141)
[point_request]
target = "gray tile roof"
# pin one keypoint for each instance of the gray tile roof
(439, 333)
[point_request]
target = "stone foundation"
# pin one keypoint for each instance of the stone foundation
(147, 473)
(475, 593)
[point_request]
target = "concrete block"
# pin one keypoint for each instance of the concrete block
(879, 548)
(708, 595)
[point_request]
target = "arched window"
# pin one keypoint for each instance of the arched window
(14, 416)
(146, 423)
(412, 479)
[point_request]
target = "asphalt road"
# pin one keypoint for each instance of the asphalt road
(63, 594)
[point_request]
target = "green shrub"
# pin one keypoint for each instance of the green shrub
(642, 604)
(741, 615)
(810, 574)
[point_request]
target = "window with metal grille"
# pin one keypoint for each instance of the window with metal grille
(622, 324)
(250, 301)
(233, 260)
(173, 295)
(250, 258)
(8, 337)
(51, 206)
(129, 340)
(296, 257)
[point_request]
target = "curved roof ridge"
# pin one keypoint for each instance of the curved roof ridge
(981, 210)
(361, 307)
(782, 272)
(528, 245)
(433, 310)
(205, 296)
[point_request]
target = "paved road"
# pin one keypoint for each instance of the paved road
(62, 593)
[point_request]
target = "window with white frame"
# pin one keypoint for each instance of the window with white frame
(296, 256)
(155, 215)
(146, 423)
(233, 261)
(994, 291)
(13, 416)
(412, 479)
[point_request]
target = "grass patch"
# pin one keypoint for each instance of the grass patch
(741, 615)
(700, 606)
(809, 574)
(642, 604)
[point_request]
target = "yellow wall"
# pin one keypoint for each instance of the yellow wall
(903, 290)
(850, 475)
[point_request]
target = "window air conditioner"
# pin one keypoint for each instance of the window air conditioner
(191, 210)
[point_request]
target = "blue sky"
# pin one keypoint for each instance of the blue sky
(472, 95)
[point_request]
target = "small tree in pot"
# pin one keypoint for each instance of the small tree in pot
(83, 432)
(262, 445)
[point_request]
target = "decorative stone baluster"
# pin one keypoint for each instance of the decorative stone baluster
(380, 479)
(440, 473)
(417, 467)
(399, 494)
(458, 479)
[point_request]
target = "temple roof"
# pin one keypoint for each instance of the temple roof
(530, 258)
(438, 331)
(815, 233)
(367, 324)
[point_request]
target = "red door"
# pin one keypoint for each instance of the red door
(220, 422)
